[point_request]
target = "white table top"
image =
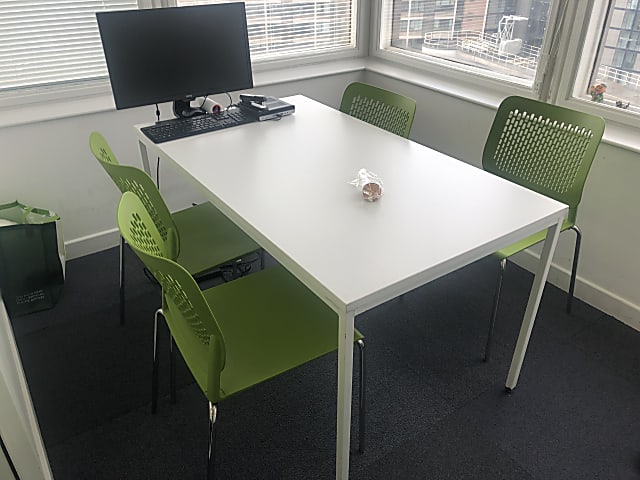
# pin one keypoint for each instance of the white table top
(286, 183)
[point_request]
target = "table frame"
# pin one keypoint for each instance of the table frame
(347, 310)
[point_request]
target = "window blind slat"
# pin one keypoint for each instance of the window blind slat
(279, 28)
(46, 42)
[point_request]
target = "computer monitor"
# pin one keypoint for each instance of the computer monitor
(175, 54)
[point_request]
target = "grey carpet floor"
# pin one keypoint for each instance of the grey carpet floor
(435, 409)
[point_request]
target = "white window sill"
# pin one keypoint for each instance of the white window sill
(623, 136)
(431, 81)
(31, 107)
(32, 110)
(616, 134)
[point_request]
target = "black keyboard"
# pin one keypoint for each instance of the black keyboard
(186, 127)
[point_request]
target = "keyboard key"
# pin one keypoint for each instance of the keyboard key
(185, 127)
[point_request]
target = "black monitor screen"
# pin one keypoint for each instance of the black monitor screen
(175, 54)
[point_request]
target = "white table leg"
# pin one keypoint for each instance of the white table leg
(532, 306)
(145, 158)
(345, 373)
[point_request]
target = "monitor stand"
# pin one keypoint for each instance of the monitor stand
(183, 109)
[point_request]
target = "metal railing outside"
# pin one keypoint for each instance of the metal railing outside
(627, 79)
(483, 46)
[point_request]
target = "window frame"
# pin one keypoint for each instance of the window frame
(558, 72)
(266, 64)
(576, 63)
(37, 94)
(359, 22)
(91, 88)
(463, 75)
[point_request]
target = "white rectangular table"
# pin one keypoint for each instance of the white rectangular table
(286, 184)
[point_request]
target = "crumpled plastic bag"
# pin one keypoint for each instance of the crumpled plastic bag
(369, 184)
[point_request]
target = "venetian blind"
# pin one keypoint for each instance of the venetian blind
(48, 42)
(280, 28)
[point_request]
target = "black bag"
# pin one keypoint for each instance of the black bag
(31, 258)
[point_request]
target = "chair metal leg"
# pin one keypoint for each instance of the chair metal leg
(494, 313)
(213, 415)
(121, 280)
(172, 369)
(362, 405)
(154, 372)
(574, 268)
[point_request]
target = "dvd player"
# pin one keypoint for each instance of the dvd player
(265, 108)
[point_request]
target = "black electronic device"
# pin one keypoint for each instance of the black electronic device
(176, 128)
(176, 54)
(265, 108)
(251, 99)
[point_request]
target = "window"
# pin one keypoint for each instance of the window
(285, 28)
(56, 43)
(49, 42)
(566, 51)
(502, 39)
(614, 77)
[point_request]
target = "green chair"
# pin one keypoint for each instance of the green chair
(384, 109)
(228, 343)
(200, 238)
(548, 149)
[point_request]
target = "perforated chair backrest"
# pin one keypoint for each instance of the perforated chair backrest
(543, 147)
(384, 109)
(188, 315)
(132, 179)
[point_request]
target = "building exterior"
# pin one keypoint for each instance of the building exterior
(622, 42)
(415, 18)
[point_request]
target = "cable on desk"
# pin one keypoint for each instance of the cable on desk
(230, 100)
(158, 173)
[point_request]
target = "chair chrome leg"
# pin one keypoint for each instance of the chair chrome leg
(213, 415)
(172, 369)
(574, 268)
(121, 280)
(154, 372)
(494, 313)
(362, 405)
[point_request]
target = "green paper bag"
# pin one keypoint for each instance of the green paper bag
(32, 258)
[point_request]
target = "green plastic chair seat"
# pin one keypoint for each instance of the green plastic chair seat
(200, 237)
(384, 109)
(283, 326)
(528, 242)
(238, 334)
(543, 147)
(212, 239)
(546, 148)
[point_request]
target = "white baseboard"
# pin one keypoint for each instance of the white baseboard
(97, 242)
(595, 295)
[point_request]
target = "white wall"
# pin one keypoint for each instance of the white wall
(609, 269)
(48, 164)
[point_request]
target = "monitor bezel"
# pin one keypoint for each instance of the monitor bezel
(181, 100)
